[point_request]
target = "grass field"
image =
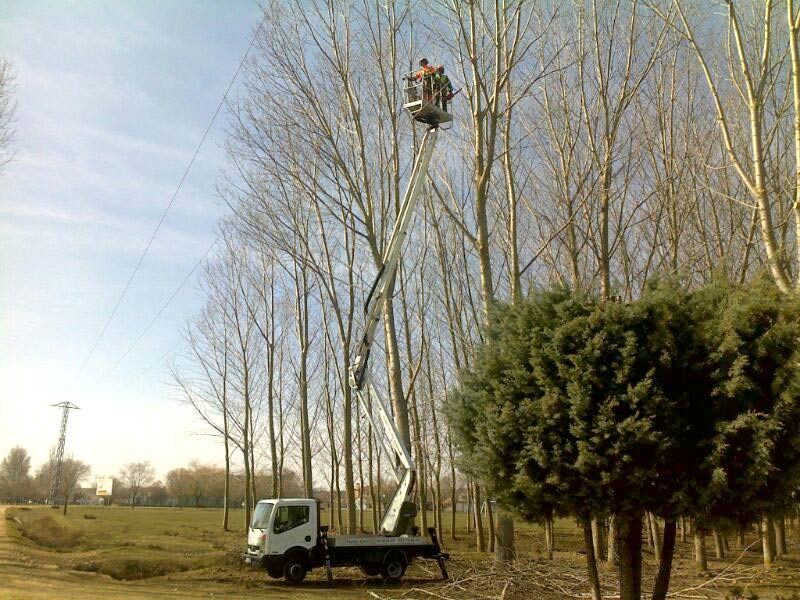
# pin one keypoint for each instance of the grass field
(169, 553)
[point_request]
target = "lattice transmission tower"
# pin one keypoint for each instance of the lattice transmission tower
(59, 457)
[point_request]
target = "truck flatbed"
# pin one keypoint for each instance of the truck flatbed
(365, 540)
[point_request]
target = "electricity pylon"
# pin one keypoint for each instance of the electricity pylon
(59, 457)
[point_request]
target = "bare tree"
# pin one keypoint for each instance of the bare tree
(135, 476)
(7, 110)
(72, 472)
(14, 473)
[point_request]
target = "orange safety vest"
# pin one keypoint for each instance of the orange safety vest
(427, 71)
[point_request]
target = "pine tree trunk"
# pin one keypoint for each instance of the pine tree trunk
(742, 541)
(652, 522)
(598, 535)
(480, 536)
(766, 541)
(719, 549)
(504, 549)
(611, 561)
(780, 536)
(683, 530)
(629, 530)
(700, 558)
(453, 506)
(490, 523)
(591, 561)
(470, 513)
(549, 537)
(504, 540)
(661, 585)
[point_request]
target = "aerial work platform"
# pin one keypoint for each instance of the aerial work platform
(424, 102)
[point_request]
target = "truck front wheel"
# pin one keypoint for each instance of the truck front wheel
(295, 570)
(394, 566)
(275, 569)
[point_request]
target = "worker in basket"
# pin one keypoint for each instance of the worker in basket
(426, 74)
(442, 88)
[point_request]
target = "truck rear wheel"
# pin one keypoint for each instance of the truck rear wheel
(295, 570)
(394, 566)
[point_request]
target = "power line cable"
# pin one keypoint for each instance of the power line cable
(147, 369)
(159, 313)
(169, 206)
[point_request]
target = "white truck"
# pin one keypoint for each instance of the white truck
(286, 539)
(285, 535)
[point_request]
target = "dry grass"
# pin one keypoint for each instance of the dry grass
(47, 531)
(165, 549)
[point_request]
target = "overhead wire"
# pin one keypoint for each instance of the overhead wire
(159, 313)
(169, 205)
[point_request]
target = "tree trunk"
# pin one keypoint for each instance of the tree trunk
(700, 558)
(591, 560)
(611, 561)
(598, 536)
(629, 544)
(453, 490)
(742, 541)
(780, 536)
(719, 548)
(652, 523)
(683, 530)
(504, 548)
(661, 585)
(247, 503)
(470, 513)
(227, 488)
(490, 519)
(797, 527)
(479, 533)
(766, 541)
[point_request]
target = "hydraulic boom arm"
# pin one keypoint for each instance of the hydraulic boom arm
(400, 509)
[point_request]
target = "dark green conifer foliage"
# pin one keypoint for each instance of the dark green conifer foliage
(755, 462)
(678, 404)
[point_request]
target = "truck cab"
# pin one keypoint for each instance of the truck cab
(280, 529)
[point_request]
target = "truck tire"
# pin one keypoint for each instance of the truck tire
(295, 570)
(275, 569)
(394, 566)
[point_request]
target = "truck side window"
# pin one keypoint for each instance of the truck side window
(289, 517)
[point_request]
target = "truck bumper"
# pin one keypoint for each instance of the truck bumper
(254, 559)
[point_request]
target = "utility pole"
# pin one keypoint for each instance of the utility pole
(59, 457)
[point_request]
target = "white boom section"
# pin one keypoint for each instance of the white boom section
(360, 380)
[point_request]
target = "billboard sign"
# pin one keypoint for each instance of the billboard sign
(105, 486)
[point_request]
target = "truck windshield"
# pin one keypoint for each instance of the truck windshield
(261, 515)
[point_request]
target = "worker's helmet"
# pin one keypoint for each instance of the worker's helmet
(423, 62)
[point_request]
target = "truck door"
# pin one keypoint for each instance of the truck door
(293, 526)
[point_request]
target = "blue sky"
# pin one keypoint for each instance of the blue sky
(113, 98)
